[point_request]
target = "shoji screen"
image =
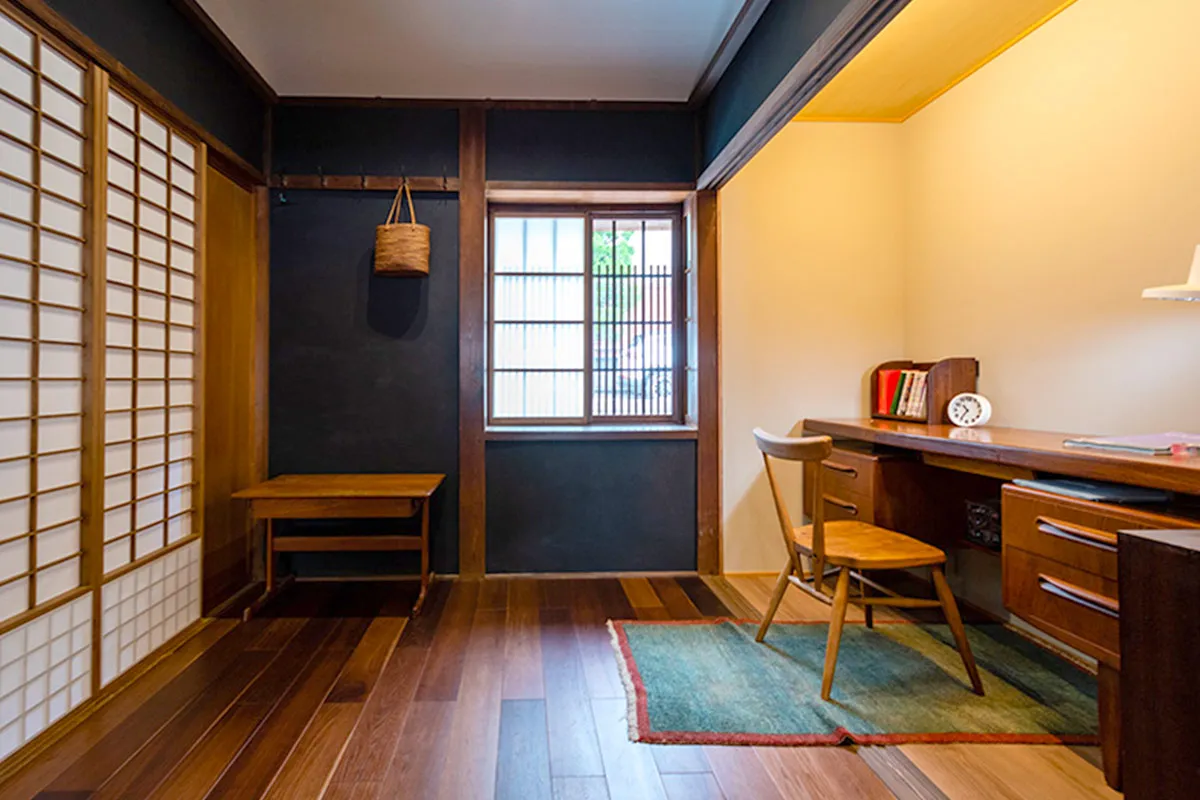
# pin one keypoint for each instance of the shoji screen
(150, 383)
(45, 613)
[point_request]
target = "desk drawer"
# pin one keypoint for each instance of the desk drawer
(847, 472)
(849, 506)
(1072, 605)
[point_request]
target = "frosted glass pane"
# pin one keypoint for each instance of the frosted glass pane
(118, 522)
(60, 325)
(16, 319)
(16, 200)
(179, 500)
(151, 365)
(62, 107)
(179, 527)
(508, 247)
(121, 109)
(153, 161)
(153, 131)
(15, 438)
(151, 452)
(183, 232)
(14, 479)
(183, 150)
(153, 189)
(60, 470)
(118, 395)
(60, 397)
(538, 395)
(61, 433)
(118, 427)
(120, 237)
(65, 290)
(14, 598)
(118, 490)
(182, 258)
(60, 142)
(183, 205)
(117, 458)
(62, 180)
(180, 474)
(183, 312)
(539, 298)
(57, 543)
(152, 247)
(538, 346)
(184, 179)
(14, 558)
(14, 518)
(60, 361)
(62, 216)
(57, 580)
(120, 331)
(56, 507)
(148, 511)
(15, 398)
(62, 71)
(182, 339)
(182, 286)
(16, 159)
(61, 252)
(181, 419)
(151, 393)
(151, 423)
(152, 219)
(179, 446)
(16, 279)
(181, 365)
(151, 276)
(151, 481)
(120, 174)
(181, 393)
(16, 240)
(16, 79)
(147, 541)
(15, 359)
(116, 555)
(16, 40)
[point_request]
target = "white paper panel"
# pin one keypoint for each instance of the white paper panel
(14, 559)
(118, 395)
(58, 543)
(65, 290)
(62, 71)
(62, 216)
(60, 361)
(61, 252)
(182, 365)
(120, 269)
(63, 143)
(16, 79)
(118, 363)
(14, 479)
(59, 470)
(15, 359)
(183, 286)
(148, 511)
(180, 474)
(183, 205)
(182, 339)
(152, 336)
(152, 247)
(181, 393)
(118, 490)
(59, 433)
(16, 279)
(118, 427)
(183, 150)
(16, 200)
(152, 219)
(16, 398)
(151, 481)
(117, 522)
(151, 423)
(183, 232)
(151, 393)
(151, 276)
(153, 161)
(120, 174)
(153, 131)
(182, 258)
(153, 189)
(56, 507)
(61, 325)
(120, 204)
(16, 40)
(151, 452)
(14, 598)
(179, 500)
(117, 458)
(179, 527)
(121, 109)
(14, 518)
(120, 237)
(16, 319)
(151, 365)
(183, 312)
(63, 107)
(62, 180)
(116, 555)
(16, 159)
(179, 446)
(119, 331)
(15, 438)
(60, 397)
(147, 541)
(152, 306)
(16, 240)
(57, 580)
(16, 120)
(184, 179)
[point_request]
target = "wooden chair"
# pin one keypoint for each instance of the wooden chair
(851, 548)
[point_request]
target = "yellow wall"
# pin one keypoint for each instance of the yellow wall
(811, 287)
(1016, 219)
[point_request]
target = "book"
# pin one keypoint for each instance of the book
(894, 407)
(910, 380)
(888, 379)
(1097, 491)
(1147, 444)
(917, 395)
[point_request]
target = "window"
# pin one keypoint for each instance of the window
(584, 317)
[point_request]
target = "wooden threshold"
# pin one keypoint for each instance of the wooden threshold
(319, 544)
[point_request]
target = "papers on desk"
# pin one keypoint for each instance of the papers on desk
(1149, 444)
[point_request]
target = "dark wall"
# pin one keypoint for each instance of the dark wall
(162, 47)
(784, 33)
(364, 370)
(636, 146)
(591, 506)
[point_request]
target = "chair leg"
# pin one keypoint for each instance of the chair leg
(950, 609)
(776, 597)
(819, 574)
(868, 609)
(841, 598)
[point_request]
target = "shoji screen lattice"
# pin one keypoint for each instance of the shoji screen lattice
(45, 613)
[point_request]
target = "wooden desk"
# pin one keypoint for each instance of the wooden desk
(341, 497)
(1060, 555)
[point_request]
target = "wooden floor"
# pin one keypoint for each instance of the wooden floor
(501, 688)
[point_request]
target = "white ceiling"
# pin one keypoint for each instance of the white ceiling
(478, 49)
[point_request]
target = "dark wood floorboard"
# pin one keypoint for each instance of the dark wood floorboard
(503, 688)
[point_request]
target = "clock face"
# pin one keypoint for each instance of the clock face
(967, 410)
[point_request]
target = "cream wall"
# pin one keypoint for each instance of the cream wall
(811, 286)
(1015, 219)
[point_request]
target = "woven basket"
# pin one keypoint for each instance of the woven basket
(402, 248)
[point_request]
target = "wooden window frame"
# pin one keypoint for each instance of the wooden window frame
(589, 213)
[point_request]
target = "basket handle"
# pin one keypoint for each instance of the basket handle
(395, 213)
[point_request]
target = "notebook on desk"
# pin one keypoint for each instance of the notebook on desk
(1096, 491)
(1148, 444)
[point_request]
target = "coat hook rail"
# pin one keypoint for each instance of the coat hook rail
(418, 183)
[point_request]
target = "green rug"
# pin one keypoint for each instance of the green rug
(709, 682)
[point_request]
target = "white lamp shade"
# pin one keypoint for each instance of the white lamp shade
(1182, 291)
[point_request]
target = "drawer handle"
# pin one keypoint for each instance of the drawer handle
(1089, 537)
(842, 504)
(844, 468)
(1080, 596)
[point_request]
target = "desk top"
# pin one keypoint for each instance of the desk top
(1037, 450)
(297, 487)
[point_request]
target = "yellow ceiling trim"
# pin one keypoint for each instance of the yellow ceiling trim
(928, 49)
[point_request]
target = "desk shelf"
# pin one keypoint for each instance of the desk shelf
(947, 377)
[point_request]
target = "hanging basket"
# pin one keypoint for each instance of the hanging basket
(402, 248)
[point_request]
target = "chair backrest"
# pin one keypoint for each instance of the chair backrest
(806, 449)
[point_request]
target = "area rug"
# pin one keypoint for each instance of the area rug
(709, 682)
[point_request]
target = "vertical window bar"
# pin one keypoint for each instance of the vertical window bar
(35, 320)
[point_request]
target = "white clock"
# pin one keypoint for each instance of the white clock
(967, 410)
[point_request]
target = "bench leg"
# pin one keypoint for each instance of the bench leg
(426, 575)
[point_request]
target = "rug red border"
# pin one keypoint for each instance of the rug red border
(640, 729)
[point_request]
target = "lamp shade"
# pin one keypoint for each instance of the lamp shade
(1182, 291)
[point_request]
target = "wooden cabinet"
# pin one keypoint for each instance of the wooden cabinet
(866, 486)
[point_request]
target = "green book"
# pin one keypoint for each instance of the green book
(905, 377)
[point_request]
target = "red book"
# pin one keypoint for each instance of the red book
(888, 380)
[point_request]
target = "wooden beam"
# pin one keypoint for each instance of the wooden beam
(708, 401)
(856, 25)
(323, 544)
(500, 105)
(735, 37)
(589, 192)
(418, 183)
(472, 277)
(196, 14)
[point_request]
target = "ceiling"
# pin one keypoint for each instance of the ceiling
(478, 49)
(928, 48)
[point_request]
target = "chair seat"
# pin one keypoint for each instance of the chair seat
(860, 545)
